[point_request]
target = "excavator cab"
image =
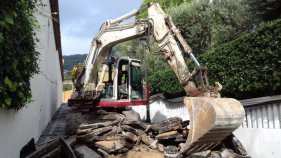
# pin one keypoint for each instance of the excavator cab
(124, 85)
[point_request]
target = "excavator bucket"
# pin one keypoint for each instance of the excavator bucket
(211, 121)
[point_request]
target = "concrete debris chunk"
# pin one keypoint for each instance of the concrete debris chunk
(137, 132)
(112, 116)
(147, 140)
(131, 115)
(160, 147)
(111, 146)
(84, 131)
(137, 124)
(93, 126)
(167, 135)
(171, 124)
(141, 154)
(93, 134)
(114, 131)
(131, 137)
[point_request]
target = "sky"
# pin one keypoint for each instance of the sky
(80, 20)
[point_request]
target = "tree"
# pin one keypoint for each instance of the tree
(71, 60)
(165, 4)
(206, 25)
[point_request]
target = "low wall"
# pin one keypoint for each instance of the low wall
(260, 143)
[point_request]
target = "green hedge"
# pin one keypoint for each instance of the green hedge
(165, 81)
(18, 58)
(205, 26)
(249, 66)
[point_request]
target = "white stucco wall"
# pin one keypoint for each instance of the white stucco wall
(259, 142)
(18, 127)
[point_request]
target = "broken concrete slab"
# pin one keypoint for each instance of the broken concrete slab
(167, 135)
(146, 139)
(84, 131)
(140, 147)
(112, 116)
(160, 147)
(137, 132)
(131, 115)
(141, 154)
(137, 124)
(94, 125)
(110, 146)
(131, 137)
(171, 124)
(108, 138)
(85, 152)
(95, 132)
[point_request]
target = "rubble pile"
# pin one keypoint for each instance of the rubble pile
(116, 135)
(127, 136)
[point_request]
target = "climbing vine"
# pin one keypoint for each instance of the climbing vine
(18, 57)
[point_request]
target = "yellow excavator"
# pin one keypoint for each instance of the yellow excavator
(99, 82)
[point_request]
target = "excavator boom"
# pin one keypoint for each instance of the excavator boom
(212, 118)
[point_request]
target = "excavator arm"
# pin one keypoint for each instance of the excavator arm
(211, 118)
(160, 26)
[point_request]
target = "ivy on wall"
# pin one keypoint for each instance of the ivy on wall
(18, 57)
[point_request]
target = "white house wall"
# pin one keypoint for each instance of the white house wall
(259, 142)
(19, 127)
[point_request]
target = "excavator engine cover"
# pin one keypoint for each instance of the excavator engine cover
(211, 121)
